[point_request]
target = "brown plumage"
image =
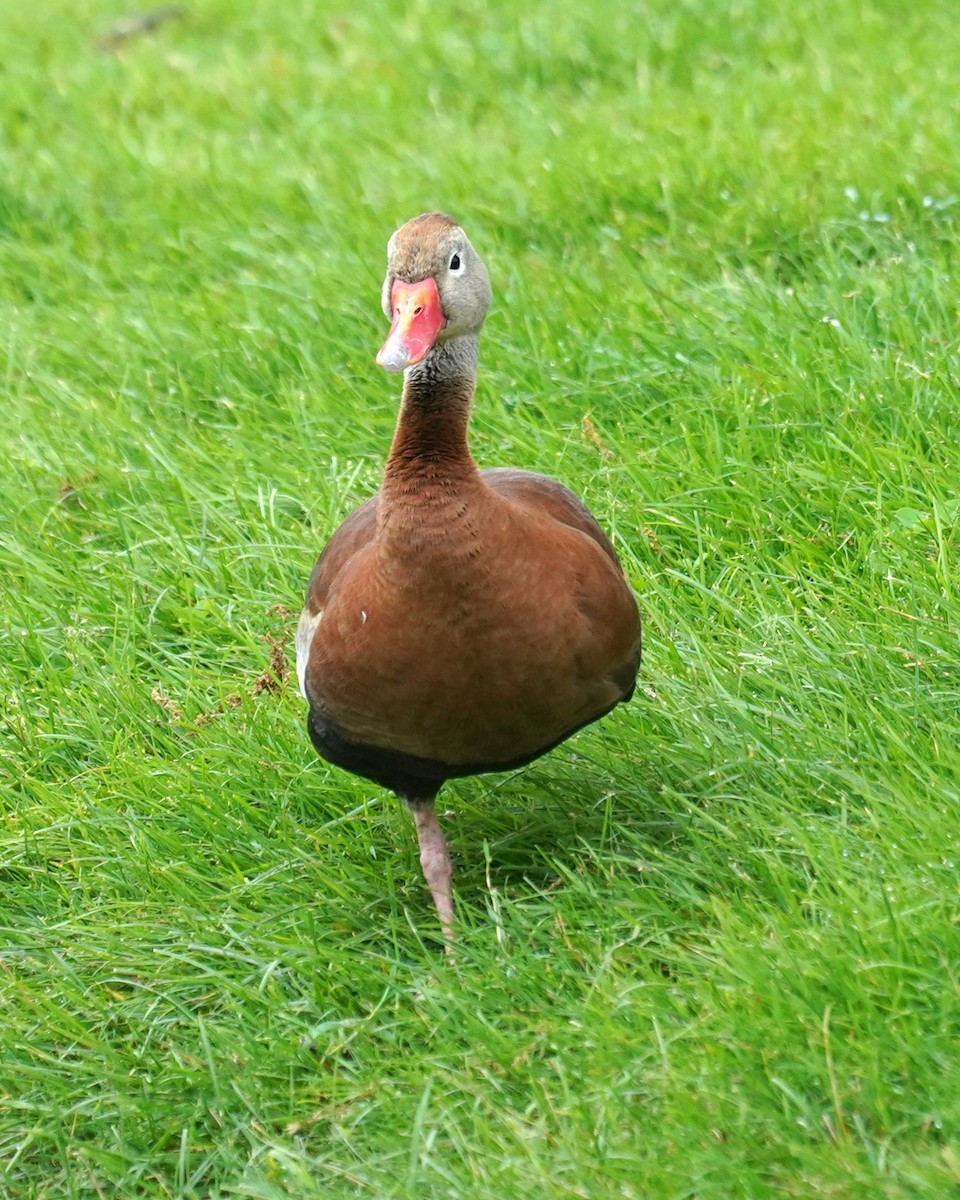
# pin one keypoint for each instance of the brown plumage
(459, 621)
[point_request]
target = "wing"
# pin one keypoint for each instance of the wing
(542, 495)
(356, 532)
(547, 496)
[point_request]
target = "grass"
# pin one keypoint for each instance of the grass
(711, 947)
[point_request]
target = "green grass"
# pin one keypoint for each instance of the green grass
(710, 948)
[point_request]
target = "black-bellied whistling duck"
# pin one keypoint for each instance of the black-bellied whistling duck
(459, 621)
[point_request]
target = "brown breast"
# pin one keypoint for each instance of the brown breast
(478, 628)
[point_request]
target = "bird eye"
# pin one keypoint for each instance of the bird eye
(455, 263)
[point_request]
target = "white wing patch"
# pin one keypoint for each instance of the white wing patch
(306, 628)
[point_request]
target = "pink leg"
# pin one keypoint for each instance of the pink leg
(435, 860)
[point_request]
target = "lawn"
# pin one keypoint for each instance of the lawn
(710, 947)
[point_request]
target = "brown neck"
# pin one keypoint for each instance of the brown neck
(430, 451)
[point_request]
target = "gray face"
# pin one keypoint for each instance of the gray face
(434, 246)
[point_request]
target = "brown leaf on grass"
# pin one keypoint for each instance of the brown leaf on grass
(274, 679)
(231, 701)
(592, 434)
(276, 676)
(171, 707)
(68, 490)
(176, 713)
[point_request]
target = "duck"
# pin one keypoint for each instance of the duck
(461, 620)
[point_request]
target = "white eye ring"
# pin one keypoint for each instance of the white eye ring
(456, 264)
